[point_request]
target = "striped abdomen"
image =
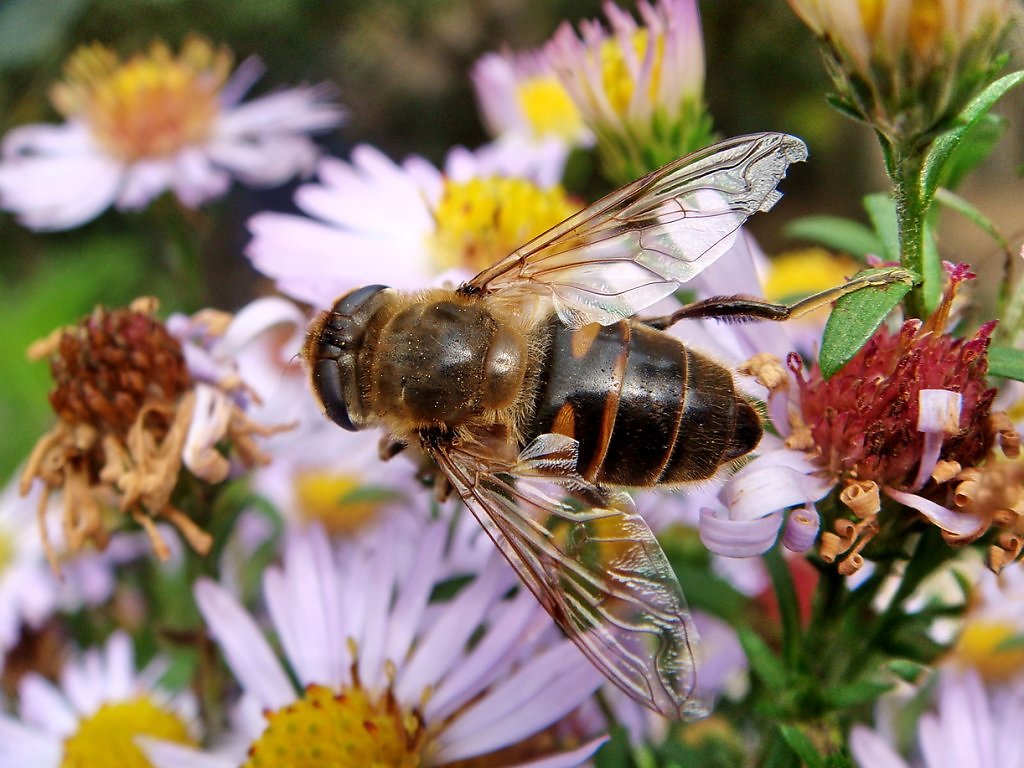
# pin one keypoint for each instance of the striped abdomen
(644, 408)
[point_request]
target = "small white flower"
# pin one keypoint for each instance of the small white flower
(92, 719)
(438, 681)
(408, 225)
(525, 106)
(154, 123)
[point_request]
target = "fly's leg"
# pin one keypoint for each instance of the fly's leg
(743, 308)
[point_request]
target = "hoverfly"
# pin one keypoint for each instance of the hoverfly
(539, 395)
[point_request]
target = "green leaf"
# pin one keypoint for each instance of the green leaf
(956, 203)
(977, 144)
(836, 233)
(908, 671)
(1006, 362)
(854, 319)
(854, 694)
(804, 748)
(882, 212)
(763, 662)
(933, 169)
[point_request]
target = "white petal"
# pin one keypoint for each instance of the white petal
(871, 751)
(487, 660)
(440, 648)
(210, 418)
(144, 181)
(738, 538)
(42, 704)
(545, 690)
(267, 161)
(165, 754)
(939, 411)
(293, 110)
(59, 192)
(414, 593)
(195, 179)
(566, 759)
(245, 649)
(25, 747)
(948, 520)
(801, 529)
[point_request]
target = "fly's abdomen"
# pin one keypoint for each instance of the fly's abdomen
(644, 408)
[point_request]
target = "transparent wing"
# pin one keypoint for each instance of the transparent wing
(637, 244)
(596, 568)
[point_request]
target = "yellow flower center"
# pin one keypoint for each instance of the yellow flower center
(616, 75)
(993, 648)
(795, 274)
(327, 729)
(106, 739)
(548, 107)
(151, 105)
(481, 220)
(342, 503)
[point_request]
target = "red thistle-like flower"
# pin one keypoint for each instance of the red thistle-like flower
(910, 417)
(865, 420)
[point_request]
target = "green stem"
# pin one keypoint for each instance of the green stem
(910, 218)
(789, 606)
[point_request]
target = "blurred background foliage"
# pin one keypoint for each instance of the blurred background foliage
(401, 69)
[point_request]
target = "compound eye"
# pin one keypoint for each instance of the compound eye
(327, 383)
(349, 304)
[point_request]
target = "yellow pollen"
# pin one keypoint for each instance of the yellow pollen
(616, 76)
(548, 108)
(993, 648)
(327, 729)
(481, 220)
(106, 739)
(341, 503)
(149, 106)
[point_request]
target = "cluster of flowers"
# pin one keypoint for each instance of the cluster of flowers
(391, 633)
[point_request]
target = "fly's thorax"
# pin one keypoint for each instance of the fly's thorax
(446, 359)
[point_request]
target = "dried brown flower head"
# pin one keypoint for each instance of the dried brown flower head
(129, 414)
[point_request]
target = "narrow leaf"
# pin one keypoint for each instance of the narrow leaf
(1006, 362)
(976, 145)
(908, 671)
(855, 694)
(956, 203)
(763, 662)
(944, 145)
(882, 212)
(854, 319)
(804, 748)
(836, 233)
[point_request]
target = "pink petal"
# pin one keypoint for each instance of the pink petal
(948, 520)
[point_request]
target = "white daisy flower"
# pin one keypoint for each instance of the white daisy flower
(371, 220)
(154, 123)
(386, 677)
(102, 704)
(973, 726)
